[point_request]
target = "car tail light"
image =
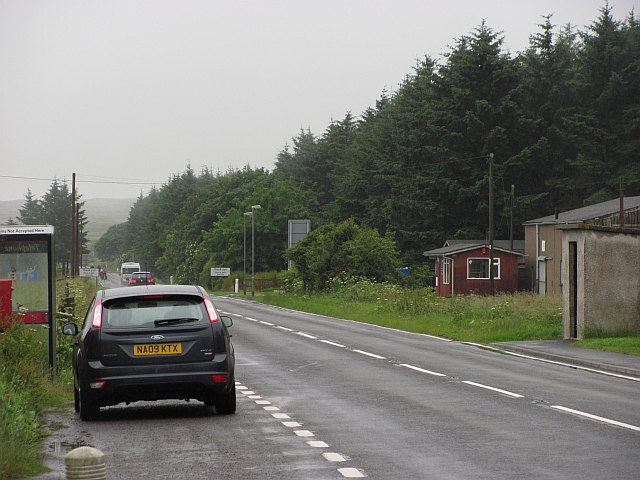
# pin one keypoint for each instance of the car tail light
(220, 377)
(133, 280)
(213, 316)
(97, 315)
(98, 384)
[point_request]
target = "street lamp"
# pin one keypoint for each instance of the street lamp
(244, 267)
(253, 263)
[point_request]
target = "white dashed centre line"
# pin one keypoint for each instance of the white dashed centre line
(487, 387)
(333, 343)
(284, 328)
(422, 370)
(251, 319)
(266, 323)
(370, 354)
(595, 417)
(236, 315)
(263, 402)
(303, 433)
(248, 392)
(271, 409)
(306, 335)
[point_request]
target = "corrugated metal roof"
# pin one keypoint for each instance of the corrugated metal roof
(590, 212)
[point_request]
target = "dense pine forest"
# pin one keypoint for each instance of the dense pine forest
(561, 119)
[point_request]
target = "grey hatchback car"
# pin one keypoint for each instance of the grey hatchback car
(151, 343)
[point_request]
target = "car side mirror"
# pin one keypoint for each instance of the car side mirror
(70, 329)
(227, 321)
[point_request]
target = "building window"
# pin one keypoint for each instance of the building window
(446, 271)
(478, 268)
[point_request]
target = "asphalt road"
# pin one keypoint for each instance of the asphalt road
(322, 398)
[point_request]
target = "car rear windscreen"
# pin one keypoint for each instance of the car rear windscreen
(150, 310)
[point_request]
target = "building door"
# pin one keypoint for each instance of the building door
(573, 289)
(542, 276)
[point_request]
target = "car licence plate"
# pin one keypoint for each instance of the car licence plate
(157, 349)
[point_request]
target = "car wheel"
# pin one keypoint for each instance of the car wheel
(88, 409)
(76, 400)
(226, 403)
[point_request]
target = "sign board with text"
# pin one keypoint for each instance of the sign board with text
(220, 272)
(27, 260)
(89, 272)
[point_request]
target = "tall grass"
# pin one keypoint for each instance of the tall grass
(521, 316)
(27, 387)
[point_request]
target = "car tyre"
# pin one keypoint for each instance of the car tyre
(76, 399)
(226, 403)
(88, 409)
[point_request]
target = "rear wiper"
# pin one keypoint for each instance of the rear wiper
(174, 321)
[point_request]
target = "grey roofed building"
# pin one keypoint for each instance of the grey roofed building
(543, 238)
(588, 213)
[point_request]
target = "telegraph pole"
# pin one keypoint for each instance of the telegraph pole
(74, 228)
(511, 217)
(491, 285)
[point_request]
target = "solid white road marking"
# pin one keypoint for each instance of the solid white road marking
(370, 354)
(303, 433)
(318, 444)
(351, 473)
(334, 457)
(595, 417)
(333, 343)
(306, 335)
(418, 369)
(505, 392)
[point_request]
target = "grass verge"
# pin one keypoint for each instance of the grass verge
(516, 317)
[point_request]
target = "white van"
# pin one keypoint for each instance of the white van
(126, 269)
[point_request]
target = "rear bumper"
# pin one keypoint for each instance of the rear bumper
(158, 382)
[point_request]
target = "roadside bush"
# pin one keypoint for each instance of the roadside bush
(346, 249)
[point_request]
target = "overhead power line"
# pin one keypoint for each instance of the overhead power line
(146, 182)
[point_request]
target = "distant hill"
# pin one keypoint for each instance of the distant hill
(102, 213)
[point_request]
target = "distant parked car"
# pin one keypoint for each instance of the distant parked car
(141, 278)
(153, 343)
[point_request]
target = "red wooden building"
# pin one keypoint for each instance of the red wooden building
(463, 268)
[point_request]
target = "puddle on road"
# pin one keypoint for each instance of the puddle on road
(64, 447)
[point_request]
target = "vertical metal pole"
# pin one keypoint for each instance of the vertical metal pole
(244, 268)
(253, 265)
(511, 218)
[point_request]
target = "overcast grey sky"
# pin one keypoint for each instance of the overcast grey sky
(134, 90)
